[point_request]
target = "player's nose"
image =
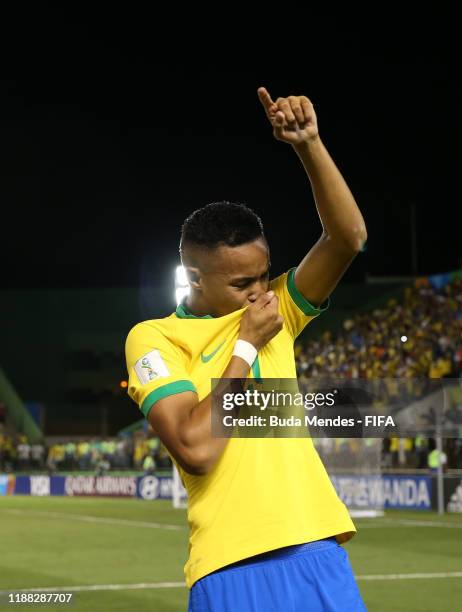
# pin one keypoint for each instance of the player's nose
(257, 290)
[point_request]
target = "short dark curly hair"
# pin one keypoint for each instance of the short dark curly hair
(221, 223)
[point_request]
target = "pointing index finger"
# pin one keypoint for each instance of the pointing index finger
(265, 99)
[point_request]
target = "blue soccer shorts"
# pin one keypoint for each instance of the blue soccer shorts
(312, 577)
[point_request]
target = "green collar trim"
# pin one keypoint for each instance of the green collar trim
(183, 313)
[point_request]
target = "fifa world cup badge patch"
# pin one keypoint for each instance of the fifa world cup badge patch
(150, 367)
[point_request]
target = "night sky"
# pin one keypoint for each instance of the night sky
(106, 146)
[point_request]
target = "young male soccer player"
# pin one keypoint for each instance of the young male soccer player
(265, 521)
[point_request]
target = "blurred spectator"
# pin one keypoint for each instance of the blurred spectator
(139, 452)
(23, 450)
(421, 451)
(51, 462)
(84, 455)
(149, 465)
(102, 466)
(70, 456)
(122, 454)
(436, 458)
(37, 455)
(162, 457)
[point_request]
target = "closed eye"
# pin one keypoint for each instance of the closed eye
(242, 284)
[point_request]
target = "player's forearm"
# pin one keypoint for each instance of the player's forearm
(340, 216)
(203, 447)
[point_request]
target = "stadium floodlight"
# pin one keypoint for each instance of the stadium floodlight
(403, 338)
(181, 278)
(180, 293)
(181, 284)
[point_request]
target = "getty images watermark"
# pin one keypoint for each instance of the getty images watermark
(336, 408)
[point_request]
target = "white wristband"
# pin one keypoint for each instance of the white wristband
(245, 351)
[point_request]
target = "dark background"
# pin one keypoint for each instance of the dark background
(111, 137)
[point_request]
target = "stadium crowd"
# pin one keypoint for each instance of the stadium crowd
(421, 338)
(128, 452)
(417, 341)
(146, 453)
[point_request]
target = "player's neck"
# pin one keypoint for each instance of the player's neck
(196, 306)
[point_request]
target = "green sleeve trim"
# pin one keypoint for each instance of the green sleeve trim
(300, 300)
(256, 370)
(170, 389)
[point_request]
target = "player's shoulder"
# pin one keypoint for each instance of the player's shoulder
(284, 286)
(159, 328)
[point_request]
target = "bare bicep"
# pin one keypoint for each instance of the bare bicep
(169, 419)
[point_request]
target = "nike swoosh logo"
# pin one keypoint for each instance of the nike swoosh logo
(207, 358)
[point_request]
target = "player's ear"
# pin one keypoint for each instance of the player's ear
(194, 277)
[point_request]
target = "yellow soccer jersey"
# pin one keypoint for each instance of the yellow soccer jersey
(263, 493)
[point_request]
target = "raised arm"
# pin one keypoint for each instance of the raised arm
(343, 229)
